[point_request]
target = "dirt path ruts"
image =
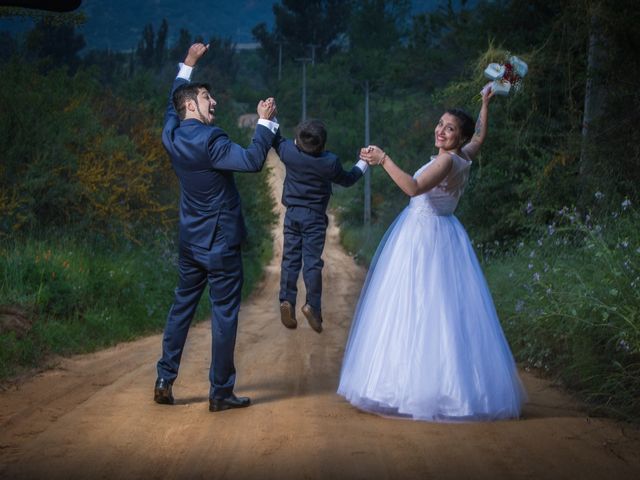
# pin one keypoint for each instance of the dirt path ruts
(93, 416)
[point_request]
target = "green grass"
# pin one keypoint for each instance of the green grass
(77, 297)
(569, 301)
(69, 297)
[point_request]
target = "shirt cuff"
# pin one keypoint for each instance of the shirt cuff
(185, 71)
(362, 165)
(273, 126)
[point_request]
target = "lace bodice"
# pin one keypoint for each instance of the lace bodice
(443, 199)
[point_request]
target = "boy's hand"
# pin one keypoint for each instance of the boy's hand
(267, 108)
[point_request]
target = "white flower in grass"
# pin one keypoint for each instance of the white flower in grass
(539, 242)
(532, 254)
(614, 214)
(626, 204)
(536, 277)
(521, 244)
(551, 229)
(599, 195)
(624, 244)
(519, 306)
(530, 266)
(624, 345)
(529, 208)
(548, 291)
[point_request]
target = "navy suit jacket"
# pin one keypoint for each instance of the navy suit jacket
(309, 178)
(204, 160)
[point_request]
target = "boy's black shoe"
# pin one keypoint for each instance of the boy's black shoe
(314, 318)
(288, 315)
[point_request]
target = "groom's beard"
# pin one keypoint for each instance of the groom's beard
(203, 119)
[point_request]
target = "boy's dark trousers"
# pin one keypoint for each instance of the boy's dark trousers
(304, 237)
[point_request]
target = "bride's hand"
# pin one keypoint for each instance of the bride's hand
(372, 154)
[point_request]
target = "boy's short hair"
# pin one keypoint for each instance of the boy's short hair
(311, 136)
(187, 91)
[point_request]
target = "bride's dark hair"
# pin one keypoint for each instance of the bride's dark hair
(467, 126)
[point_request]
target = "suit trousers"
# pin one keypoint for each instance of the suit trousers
(220, 267)
(304, 237)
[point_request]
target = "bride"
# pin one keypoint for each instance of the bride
(425, 342)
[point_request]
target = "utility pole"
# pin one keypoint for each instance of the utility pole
(313, 54)
(279, 59)
(304, 61)
(367, 174)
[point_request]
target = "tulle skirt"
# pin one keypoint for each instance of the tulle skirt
(425, 341)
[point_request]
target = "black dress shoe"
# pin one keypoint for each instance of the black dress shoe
(288, 315)
(162, 392)
(314, 318)
(218, 404)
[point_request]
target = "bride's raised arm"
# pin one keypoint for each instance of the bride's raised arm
(473, 147)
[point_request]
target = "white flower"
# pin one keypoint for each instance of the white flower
(551, 229)
(529, 208)
(599, 195)
(536, 277)
(519, 305)
(626, 204)
(539, 242)
(530, 266)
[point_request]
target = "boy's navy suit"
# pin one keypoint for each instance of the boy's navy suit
(306, 193)
(211, 231)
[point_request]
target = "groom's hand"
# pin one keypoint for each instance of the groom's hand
(196, 51)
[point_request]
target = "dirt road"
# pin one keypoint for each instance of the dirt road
(94, 417)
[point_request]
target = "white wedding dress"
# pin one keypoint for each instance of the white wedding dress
(425, 341)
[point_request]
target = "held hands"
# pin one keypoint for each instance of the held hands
(373, 155)
(195, 53)
(267, 108)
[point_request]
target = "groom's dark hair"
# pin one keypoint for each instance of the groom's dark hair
(311, 135)
(188, 91)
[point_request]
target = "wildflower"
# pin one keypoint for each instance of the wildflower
(511, 274)
(539, 242)
(614, 214)
(521, 244)
(626, 204)
(551, 229)
(519, 306)
(623, 345)
(599, 195)
(532, 254)
(624, 244)
(536, 277)
(548, 291)
(530, 266)
(529, 208)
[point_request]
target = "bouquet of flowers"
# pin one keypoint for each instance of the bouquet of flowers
(505, 76)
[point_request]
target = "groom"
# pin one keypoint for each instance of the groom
(211, 228)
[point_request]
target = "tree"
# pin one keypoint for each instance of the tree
(303, 25)
(58, 43)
